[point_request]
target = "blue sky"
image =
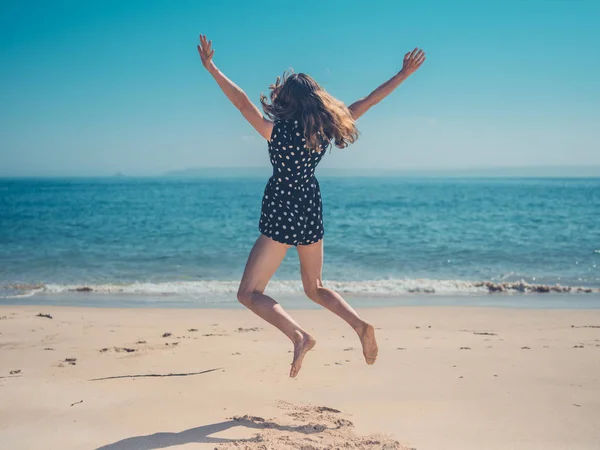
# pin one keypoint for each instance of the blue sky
(96, 87)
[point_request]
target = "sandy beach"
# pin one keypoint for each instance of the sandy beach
(446, 378)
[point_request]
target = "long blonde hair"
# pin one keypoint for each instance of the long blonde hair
(298, 96)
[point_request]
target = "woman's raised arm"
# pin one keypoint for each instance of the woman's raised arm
(234, 93)
(412, 61)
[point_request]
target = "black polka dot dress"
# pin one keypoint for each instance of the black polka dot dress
(291, 207)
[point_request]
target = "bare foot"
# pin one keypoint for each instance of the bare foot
(366, 335)
(301, 347)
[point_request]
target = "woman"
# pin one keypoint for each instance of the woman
(301, 121)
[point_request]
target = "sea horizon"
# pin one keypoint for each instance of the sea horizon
(544, 171)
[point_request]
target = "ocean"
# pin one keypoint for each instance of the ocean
(184, 242)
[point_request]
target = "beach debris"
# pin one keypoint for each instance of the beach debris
(165, 335)
(140, 342)
(585, 326)
(49, 348)
(215, 334)
(525, 348)
(118, 350)
(236, 353)
(193, 329)
(465, 348)
(245, 330)
(575, 404)
(47, 316)
(15, 372)
(155, 375)
(3, 317)
(349, 349)
(172, 344)
(484, 333)
(82, 289)
(522, 286)
(578, 346)
(77, 403)
(337, 363)
(71, 361)
(419, 290)
(400, 348)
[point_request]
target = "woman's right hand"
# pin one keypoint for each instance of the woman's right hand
(206, 52)
(412, 61)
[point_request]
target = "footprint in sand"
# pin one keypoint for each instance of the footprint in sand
(301, 427)
(118, 350)
(69, 361)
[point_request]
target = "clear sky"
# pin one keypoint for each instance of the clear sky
(95, 87)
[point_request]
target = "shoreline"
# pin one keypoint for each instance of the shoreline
(537, 301)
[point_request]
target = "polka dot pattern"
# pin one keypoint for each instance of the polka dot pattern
(292, 211)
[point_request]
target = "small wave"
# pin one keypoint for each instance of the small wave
(20, 295)
(362, 287)
(19, 290)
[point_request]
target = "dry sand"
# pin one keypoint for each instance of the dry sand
(446, 378)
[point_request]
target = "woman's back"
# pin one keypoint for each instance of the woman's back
(293, 163)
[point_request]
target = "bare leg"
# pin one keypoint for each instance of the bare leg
(311, 266)
(264, 259)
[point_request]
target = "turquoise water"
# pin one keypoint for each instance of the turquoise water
(182, 239)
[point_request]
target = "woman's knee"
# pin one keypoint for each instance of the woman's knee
(244, 296)
(311, 289)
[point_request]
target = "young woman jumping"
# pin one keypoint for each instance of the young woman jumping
(301, 121)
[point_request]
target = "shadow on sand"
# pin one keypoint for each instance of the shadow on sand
(202, 434)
